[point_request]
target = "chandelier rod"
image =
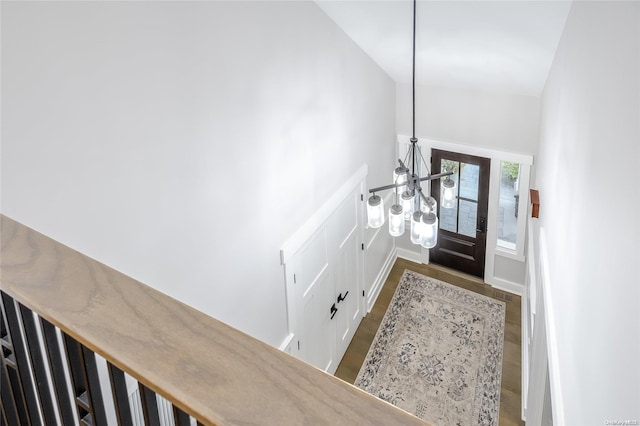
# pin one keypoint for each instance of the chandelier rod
(430, 177)
(414, 71)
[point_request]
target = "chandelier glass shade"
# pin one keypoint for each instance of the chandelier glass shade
(410, 203)
(429, 237)
(400, 177)
(396, 220)
(448, 193)
(406, 201)
(375, 211)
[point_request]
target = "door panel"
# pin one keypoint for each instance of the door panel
(343, 231)
(344, 221)
(318, 349)
(314, 295)
(349, 314)
(462, 232)
(326, 274)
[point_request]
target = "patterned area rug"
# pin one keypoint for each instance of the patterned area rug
(438, 353)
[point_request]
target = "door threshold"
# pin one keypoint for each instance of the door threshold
(451, 271)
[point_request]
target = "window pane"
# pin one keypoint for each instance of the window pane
(508, 206)
(468, 218)
(469, 181)
(450, 166)
(448, 218)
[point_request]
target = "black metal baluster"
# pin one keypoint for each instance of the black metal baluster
(149, 406)
(16, 391)
(120, 395)
(38, 365)
(86, 384)
(93, 384)
(7, 402)
(21, 359)
(56, 367)
(180, 418)
(78, 385)
(9, 413)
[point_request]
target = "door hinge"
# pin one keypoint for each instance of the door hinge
(361, 197)
(298, 344)
(362, 293)
(362, 246)
(294, 278)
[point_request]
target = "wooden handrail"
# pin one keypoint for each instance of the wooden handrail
(210, 370)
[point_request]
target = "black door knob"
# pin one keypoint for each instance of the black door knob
(341, 297)
(482, 225)
(333, 310)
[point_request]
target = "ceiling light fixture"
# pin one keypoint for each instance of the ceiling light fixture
(410, 202)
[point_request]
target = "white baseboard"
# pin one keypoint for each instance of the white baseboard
(380, 280)
(505, 285)
(408, 255)
(285, 346)
(524, 357)
(386, 270)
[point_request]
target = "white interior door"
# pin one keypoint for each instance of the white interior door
(325, 282)
(314, 295)
(343, 231)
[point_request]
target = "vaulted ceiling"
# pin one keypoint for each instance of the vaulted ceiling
(503, 46)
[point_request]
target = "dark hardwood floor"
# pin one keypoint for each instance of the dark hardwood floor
(510, 394)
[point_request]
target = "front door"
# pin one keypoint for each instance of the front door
(463, 229)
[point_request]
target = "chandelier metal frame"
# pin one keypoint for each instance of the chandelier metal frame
(410, 201)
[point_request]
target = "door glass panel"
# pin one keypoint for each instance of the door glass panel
(469, 181)
(468, 218)
(450, 166)
(449, 219)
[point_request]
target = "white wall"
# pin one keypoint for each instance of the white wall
(183, 143)
(588, 179)
(484, 119)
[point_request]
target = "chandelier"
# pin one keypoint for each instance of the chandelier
(410, 203)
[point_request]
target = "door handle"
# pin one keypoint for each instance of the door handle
(333, 310)
(482, 225)
(341, 297)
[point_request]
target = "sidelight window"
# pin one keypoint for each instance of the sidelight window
(508, 204)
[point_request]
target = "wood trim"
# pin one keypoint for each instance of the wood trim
(206, 368)
(535, 203)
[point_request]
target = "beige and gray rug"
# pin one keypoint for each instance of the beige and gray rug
(438, 353)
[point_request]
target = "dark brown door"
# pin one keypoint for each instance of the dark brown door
(463, 229)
